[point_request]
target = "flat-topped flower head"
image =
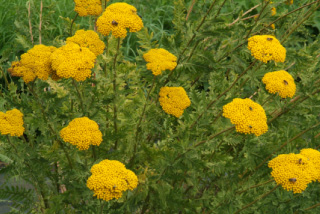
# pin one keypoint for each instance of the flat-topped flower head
(36, 63)
(11, 123)
(88, 39)
(73, 61)
(117, 18)
(280, 82)
(160, 60)
(293, 171)
(247, 116)
(313, 156)
(88, 7)
(82, 132)
(266, 48)
(174, 100)
(110, 179)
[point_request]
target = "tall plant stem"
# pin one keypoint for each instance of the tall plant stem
(141, 117)
(45, 117)
(258, 199)
(73, 20)
(255, 186)
(101, 206)
(305, 17)
(309, 208)
(190, 40)
(30, 26)
(79, 95)
(115, 117)
(40, 23)
(223, 93)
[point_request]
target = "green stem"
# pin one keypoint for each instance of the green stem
(115, 94)
(80, 97)
(5, 77)
(255, 186)
(94, 153)
(258, 199)
(309, 208)
(73, 20)
(101, 206)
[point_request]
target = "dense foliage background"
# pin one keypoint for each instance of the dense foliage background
(194, 164)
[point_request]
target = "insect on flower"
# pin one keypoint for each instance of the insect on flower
(114, 23)
(250, 127)
(285, 82)
(292, 180)
(251, 109)
(269, 39)
(114, 187)
(300, 161)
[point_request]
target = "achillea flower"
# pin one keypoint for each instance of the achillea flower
(293, 171)
(88, 7)
(73, 61)
(280, 82)
(35, 63)
(110, 178)
(313, 156)
(117, 18)
(174, 100)
(266, 48)
(249, 117)
(11, 123)
(88, 39)
(82, 132)
(273, 11)
(159, 60)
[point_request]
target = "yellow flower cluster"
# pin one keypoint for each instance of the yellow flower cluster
(88, 7)
(159, 60)
(88, 39)
(295, 171)
(288, 2)
(11, 123)
(35, 63)
(117, 18)
(248, 116)
(266, 48)
(273, 11)
(280, 82)
(82, 132)
(73, 61)
(174, 100)
(110, 178)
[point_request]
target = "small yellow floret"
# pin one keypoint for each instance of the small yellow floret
(288, 2)
(11, 123)
(117, 18)
(293, 171)
(82, 132)
(174, 100)
(73, 61)
(266, 48)
(110, 179)
(273, 11)
(159, 60)
(280, 82)
(88, 39)
(88, 7)
(249, 117)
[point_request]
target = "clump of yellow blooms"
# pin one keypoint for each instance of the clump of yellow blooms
(160, 60)
(273, 11)
(280, 82)
(11, 123)
(88, 39)
(73, 61)
(174, 100)
(88, 7)
(35, 63)
(295, 171)
(110, 178)
(82, 132)
(249, 117)
(117, 18)
(266, 48)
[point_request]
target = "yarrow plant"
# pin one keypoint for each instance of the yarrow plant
(154, 106)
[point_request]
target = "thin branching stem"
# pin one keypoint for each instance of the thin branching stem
(255, 186)
(30, 26)
(40, 23)
(79, 95)
(73, 20)
(258, 199)
(115, 117)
